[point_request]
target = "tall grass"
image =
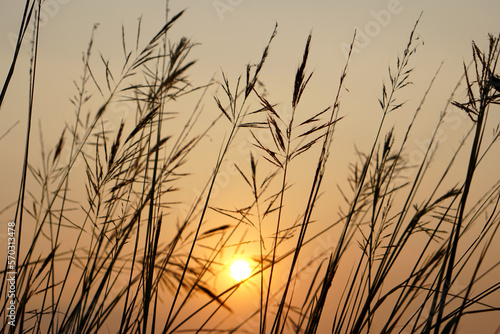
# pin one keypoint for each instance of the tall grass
(131, 257)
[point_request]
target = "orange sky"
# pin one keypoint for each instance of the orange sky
(232, 33)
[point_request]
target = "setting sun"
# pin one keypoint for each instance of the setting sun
(240, 270)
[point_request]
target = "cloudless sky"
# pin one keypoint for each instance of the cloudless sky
(232, 33)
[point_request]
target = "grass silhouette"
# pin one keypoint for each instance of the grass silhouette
(122, 251)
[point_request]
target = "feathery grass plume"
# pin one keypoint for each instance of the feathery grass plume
(251, 80)
(484, 64)
(280, 156)
(328, 128)
(237, 115)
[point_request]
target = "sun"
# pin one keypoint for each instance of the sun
(240, 270)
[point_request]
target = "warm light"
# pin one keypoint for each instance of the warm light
(240, 270)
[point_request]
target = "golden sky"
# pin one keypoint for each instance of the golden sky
(232, 33)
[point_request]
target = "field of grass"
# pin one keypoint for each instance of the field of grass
(104, 241)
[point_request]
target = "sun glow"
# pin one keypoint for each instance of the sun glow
(240, 270)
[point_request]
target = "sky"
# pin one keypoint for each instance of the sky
(232, 33)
